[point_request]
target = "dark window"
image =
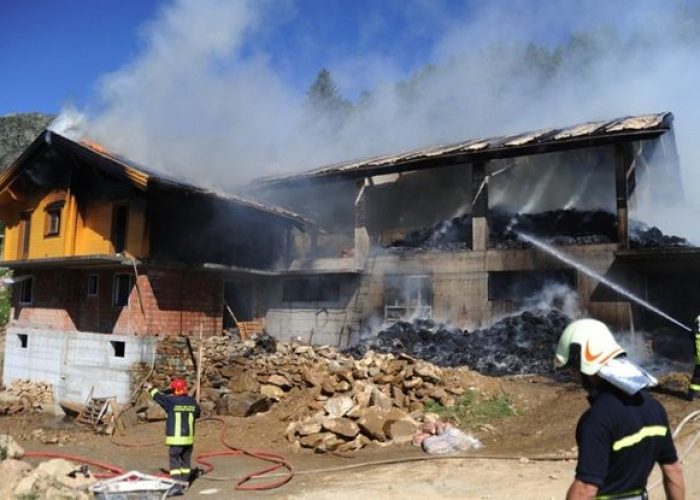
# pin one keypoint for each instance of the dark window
(25, 229)
(92, 285)
(517, 286)
(26, 289)
(311, 290)
(53, 219)
(118, 347)
(122, 288)
(23, 340)
(406, 297)
(120, 221)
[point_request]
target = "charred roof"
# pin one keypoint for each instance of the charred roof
(596, 133)
(138, 176)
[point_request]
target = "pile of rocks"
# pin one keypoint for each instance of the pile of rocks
(345, 403)
(518, 344)
(55, 478)
(25, 396)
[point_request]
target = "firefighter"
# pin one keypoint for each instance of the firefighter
(694, 387)
(625, 431)
(182, 411)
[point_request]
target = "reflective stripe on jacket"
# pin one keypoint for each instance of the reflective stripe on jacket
(181, 413)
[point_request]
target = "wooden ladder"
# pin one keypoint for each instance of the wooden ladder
(93, 411)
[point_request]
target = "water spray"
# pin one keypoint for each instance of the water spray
(592, 274)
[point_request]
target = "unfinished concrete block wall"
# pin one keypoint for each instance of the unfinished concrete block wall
(75, 362)
(317, 322)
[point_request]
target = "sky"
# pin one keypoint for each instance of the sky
(214, 91)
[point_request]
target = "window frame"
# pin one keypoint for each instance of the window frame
(53, 213)
(25, 234)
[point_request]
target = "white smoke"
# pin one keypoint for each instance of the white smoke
(205, 101)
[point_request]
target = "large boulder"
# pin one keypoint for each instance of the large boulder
(247, 403)
(342, 427)
(338, 406)
(51, 480)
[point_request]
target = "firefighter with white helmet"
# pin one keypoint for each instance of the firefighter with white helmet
(694, 387)
(625, 431)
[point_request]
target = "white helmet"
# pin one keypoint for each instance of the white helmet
(594, 346)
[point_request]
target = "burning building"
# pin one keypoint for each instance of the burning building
(108, 255)
(437, 232)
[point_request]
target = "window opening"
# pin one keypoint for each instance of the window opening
(120, 218)
(311, 290)
(23, 340)
(118, 348)
(53, 219)
(122, 289)
(93, 285)
(25, 226)
(407, 297)
(26, 291)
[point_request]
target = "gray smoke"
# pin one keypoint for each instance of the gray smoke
(204, 101)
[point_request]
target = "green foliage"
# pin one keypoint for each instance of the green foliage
(323, 98)
(17, 131)
(473, 409)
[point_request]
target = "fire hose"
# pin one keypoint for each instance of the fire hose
(279, 462)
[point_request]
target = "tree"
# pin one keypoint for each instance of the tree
(323, 97)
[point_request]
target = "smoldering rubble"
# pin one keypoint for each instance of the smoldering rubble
(556, 227)
(518, 344)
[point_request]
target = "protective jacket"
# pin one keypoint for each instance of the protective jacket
(181, 414)
(694, 389)
(620, 438)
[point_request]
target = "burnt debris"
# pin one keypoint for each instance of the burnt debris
(523, 343)
(555, 227)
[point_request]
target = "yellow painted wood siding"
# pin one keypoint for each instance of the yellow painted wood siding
(85, 228)
(95, 229)
(40, 245)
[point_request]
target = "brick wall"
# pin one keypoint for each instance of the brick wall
(175, 302)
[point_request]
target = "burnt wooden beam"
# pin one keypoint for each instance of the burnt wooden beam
(624, 157)
(480, 206)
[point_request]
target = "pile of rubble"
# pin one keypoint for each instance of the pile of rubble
(555, 227)
(55, 478)
(25, 396)
(518, 344)
(343, 403)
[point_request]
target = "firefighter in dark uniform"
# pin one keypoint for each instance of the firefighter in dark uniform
(625, 431)
(182, 410)
(694, 388)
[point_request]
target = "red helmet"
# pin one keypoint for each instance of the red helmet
(178, 386)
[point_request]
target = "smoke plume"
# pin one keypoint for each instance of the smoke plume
(207, 100)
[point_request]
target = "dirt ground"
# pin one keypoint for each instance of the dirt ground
(528, 456)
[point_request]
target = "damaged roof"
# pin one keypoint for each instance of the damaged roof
(587, 134)
(140, 177)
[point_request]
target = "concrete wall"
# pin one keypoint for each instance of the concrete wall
(460, 283)
(74, 362)
(324, 322)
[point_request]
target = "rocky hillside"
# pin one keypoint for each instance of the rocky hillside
(17, 131)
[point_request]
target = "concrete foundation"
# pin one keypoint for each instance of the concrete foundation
(75, 362)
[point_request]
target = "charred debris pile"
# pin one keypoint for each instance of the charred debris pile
(518, 344)
(556, 227)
